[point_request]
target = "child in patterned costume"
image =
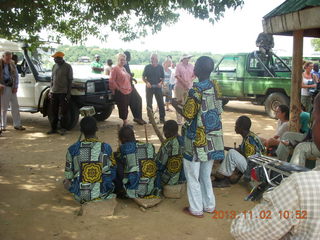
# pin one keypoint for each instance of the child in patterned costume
(203, 138)
(169, 157)
(236, 159)
(140, 168)
(90, 166)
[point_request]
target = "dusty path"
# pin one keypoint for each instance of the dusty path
(34, 205)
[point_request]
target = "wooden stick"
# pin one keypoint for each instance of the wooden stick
(118, 129)
(154, 125)
(145, 132)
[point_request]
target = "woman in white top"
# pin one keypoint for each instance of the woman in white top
(166, 83)
(309, 80)
(282, 114)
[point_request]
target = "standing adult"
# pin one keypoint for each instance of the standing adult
(153, 76)
(97, 66)
(119, 83)
(315, 70)
(184, 78)
(166, 83)
(60, 92)
(203, 140)
(135, 99)
(9, 79)
(308, 81)
(108, 67)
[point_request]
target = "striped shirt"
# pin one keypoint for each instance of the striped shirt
(290, 211)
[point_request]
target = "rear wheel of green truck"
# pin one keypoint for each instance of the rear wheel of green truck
(105, 114)
(273, 101)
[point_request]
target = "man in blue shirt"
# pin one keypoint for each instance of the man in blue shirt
(9, 79)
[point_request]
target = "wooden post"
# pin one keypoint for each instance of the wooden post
(295, 101)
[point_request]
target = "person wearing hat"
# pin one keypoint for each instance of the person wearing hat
(9, 80)
(184, 78)
(60, 91)
(97, 66)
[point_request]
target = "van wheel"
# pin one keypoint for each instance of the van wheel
(273, 101)
(105, 114)
(72, 116)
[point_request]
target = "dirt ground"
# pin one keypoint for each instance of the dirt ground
(34, 204)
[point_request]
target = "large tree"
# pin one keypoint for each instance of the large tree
(76, 19)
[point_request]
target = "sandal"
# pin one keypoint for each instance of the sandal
(187, 211)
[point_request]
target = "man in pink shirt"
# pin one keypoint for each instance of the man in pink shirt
(184, 76)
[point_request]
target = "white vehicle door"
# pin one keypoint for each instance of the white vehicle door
(26, 90)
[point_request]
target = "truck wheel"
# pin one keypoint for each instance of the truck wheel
(72, 117)
(103, 115)
(273, 101)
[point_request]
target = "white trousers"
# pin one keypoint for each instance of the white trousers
(9, 98)
(199, 186)
(232, 161)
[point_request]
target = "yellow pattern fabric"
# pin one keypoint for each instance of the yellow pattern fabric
(174, 164)
(149, 168)
(190, 109)
(201, 139)
(91, 172)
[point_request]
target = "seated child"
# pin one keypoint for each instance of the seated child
(90, 166)
(169, 157)
(140, 168)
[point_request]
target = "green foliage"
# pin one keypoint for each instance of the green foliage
(77, 19)
(73, 53)
(316, 44)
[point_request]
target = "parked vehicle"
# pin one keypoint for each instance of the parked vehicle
(256, 77)
(34, 86)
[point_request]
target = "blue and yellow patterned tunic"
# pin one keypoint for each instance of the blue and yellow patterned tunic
(91, 167)
(169, 161)
(203, 137)
(140, 169)
(252, 145)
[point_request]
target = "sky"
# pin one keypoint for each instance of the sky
(237, 31)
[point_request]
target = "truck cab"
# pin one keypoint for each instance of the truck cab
(256, 77)
(34, 86)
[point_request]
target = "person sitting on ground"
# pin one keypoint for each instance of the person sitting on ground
(289, 211)
(90, 166)
(290, 140)
(169, 157)
(235, 164)
(140, 168)
(304, 120)
(282, 114)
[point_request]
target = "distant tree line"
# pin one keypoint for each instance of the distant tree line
(73, 53)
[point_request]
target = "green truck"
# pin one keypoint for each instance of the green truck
(263, 79)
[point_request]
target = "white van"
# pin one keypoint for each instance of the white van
(34, 82)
